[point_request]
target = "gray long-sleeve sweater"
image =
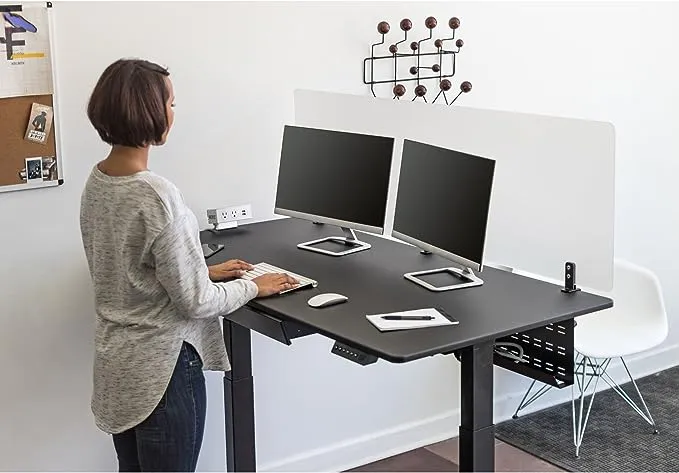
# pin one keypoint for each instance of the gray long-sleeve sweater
(151, 291)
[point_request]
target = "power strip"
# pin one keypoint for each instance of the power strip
(228, 217)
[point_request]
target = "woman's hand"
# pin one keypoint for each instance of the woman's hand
(229, 269)
(270, 284)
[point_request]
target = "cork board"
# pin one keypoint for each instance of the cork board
(14, 149)
(28, 122)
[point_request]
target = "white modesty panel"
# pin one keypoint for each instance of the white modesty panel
(554, 190)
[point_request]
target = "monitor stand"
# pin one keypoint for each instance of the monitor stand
(463, 278)
(349, 241)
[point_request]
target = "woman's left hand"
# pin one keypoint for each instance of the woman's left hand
(229, 269)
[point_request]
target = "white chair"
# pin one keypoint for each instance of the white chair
(637, 322)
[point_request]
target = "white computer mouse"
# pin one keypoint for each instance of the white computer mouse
(327, 299)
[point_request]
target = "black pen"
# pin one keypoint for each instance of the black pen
(450, 318)
(407, 317)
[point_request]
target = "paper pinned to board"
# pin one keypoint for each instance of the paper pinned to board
(437, 318)
(39, 123)
(25, 51)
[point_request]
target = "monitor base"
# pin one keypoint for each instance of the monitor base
(466, 276)
(352, 243)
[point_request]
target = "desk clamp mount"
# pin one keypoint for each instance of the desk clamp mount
(569, 278)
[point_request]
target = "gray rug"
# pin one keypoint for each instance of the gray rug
(616, 437)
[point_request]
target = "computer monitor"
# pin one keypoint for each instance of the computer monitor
(442, 208)
(336, 178)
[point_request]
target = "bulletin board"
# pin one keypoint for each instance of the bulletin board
(29, 144)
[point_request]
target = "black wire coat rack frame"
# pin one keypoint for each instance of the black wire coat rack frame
(415, 57)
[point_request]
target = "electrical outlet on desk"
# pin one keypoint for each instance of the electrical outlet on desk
(242, 212)
(228, 217)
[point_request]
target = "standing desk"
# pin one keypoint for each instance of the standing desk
(535, 314)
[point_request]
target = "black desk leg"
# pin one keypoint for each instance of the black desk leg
(477, 431)
(239, 400)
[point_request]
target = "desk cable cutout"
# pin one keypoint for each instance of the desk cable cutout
(503, 349)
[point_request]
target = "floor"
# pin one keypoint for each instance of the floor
(442, 456)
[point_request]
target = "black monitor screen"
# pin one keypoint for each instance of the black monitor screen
(444, 198)
(337, 175)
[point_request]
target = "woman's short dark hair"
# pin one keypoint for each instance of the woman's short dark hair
(128, 104)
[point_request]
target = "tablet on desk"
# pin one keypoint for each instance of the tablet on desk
(210, 249)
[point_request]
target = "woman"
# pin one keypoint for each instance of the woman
(157, 302)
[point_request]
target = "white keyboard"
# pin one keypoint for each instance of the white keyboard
(266, 268)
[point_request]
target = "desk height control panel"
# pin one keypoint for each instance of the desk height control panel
(353, 354)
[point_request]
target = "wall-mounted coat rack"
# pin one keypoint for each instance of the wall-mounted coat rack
(417, 60)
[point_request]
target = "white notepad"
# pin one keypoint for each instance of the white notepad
(388, 325)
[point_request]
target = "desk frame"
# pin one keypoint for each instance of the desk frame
(476, 431)
(239, 400)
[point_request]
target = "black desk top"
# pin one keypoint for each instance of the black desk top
(373, 281)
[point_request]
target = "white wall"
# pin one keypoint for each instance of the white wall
(605, 62)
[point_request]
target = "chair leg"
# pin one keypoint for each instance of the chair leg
(526, 401)
(600, 371)
(580, 424)
(645, 414)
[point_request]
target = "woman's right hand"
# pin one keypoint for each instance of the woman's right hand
(270, 284)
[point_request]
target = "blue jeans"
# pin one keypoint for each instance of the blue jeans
(171, 437)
